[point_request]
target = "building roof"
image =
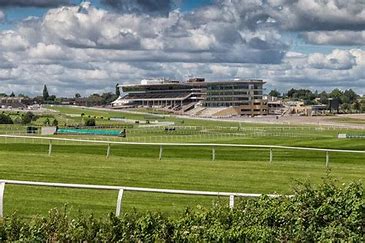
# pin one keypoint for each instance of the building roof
(198, 83)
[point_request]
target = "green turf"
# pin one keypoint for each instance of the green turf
(188, 167)
(237, 170)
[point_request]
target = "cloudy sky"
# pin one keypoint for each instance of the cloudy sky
(79, 46)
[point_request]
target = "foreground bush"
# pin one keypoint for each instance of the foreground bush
(326, 213)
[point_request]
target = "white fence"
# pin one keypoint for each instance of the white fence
(122, 189)
(213, 146)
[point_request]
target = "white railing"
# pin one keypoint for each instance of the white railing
(213, 146)
(122, 189)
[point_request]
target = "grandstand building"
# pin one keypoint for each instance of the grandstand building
(223, 98)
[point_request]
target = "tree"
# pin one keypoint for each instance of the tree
(94, 99)
(55, 123)
(47, 121)
(117, 90)
(345, 107)
(5, 119)
(12, 94)
(336, 93)
(301, 94)
(45, 93)
(349, 96)
(362, 105)
(77, 96)
(274, 93)
(356, 106)
(90, 122)
(323, 97)
(52, 98)
(107, 98)
(28, 118)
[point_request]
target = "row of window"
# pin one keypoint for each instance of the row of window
(232, 87)
(249, 110)
(229, 98)
(228, 93)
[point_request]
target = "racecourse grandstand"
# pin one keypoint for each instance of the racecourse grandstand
(237, 97)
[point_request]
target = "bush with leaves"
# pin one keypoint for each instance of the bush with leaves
(55, 122)
(90, 122)
(28, 117)
(328, 213)
(46, 121)
(5, 119)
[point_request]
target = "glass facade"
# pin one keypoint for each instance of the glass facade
(233, 93)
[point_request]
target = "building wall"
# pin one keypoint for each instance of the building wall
(246, 95)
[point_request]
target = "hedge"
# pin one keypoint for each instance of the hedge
(327, 213)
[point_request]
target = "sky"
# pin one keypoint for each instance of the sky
(85, 47)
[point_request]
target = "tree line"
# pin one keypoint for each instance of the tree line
(92, 100)
(347, 100)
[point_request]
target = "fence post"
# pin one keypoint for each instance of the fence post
(108, 151)
(2, 189)
(213, 153)
(119, 203)
(231, 201)
(270, 155)
(160, 155)
(327, 159)
(50, 147)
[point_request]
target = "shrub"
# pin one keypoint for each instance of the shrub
(5, 119)
(90, 122)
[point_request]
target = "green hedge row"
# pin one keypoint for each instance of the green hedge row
(324, 213)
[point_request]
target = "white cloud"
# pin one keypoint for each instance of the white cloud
(335, 37)
(47, 52)
(338, 60)
(318, 14)
(12, 41)
(89, 50)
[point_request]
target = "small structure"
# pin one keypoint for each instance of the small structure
(48, 130)
(76, 131)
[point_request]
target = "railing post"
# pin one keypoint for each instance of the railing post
(50, 147)
(119, 203)
(270, 155)
(327, 159)
(160, 155)
(213, 153)
(231, 201)
(2, 189)
(108, 151)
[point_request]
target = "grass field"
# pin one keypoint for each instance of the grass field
(190, 168)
